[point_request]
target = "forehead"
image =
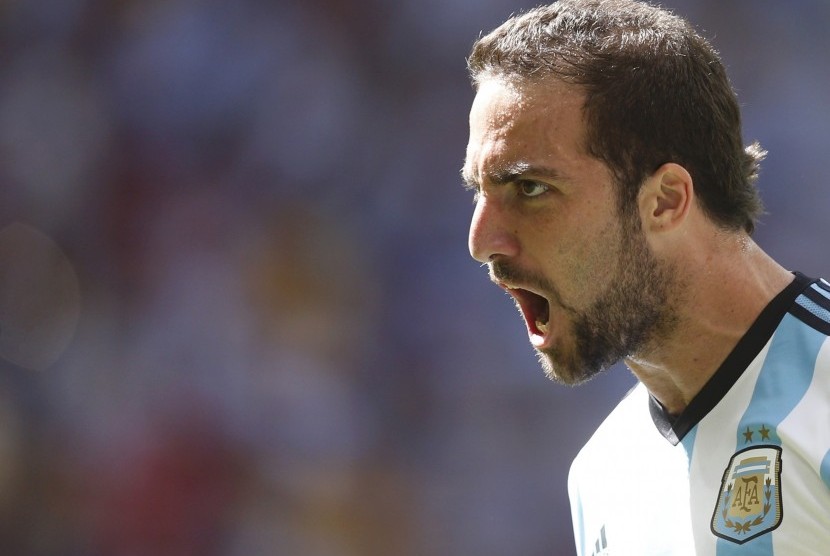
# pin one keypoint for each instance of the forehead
(515, 123)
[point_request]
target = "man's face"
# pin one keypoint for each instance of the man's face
(547, 223)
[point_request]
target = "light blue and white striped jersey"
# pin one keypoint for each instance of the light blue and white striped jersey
(745, 469)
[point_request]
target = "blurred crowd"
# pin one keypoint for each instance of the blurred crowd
(237, 313)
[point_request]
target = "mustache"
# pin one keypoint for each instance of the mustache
(503, 272)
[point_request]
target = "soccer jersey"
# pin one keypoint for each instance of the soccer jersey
(745, 469)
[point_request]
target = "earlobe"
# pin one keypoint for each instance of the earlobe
(666, 197)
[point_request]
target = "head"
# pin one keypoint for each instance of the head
(655, 92)
(578, 105)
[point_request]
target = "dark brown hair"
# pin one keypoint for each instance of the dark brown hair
(656, 92)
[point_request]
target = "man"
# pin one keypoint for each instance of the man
(614, 201)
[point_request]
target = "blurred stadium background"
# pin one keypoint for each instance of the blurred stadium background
(237, 313)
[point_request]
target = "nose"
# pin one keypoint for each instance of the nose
(490, 234)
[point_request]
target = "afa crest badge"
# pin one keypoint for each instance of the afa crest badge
(749, 503)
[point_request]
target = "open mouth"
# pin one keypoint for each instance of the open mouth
(536, 311)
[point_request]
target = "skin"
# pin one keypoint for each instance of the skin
(663, 287)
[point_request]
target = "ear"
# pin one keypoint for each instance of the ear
(665, 200)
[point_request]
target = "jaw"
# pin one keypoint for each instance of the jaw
(561, 364)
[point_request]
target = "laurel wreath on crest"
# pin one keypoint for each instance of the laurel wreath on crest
(746, 526)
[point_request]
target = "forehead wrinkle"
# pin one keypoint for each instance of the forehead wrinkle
(493, 116)
(505, 111)
(477, 158)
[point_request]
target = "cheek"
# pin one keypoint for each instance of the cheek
(588, 261)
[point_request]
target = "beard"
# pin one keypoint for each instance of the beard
(629, 316)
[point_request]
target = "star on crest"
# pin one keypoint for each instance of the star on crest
(749, 433)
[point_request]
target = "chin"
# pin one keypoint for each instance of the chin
(569, 373)
(560, 372)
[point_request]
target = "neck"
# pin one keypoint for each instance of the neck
(722, 293)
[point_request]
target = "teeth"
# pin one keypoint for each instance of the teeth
(542, 326)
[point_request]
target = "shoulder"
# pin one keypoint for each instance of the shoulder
(812, 306)
(621, 480)
(628, 429)
(627, 419)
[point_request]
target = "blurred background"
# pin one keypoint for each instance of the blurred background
(237, 313)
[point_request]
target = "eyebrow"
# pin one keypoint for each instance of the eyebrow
(511, 172)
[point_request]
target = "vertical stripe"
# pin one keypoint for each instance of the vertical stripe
(714, 446)
(581, 540)
(807, 426)
(578, 519)
(688, 443)
(784, 379)
(824, 469)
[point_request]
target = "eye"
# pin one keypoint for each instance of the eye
(529, 188)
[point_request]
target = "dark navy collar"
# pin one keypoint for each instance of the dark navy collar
(675, 427)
